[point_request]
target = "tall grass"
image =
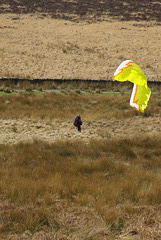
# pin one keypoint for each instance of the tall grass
(62, 106)
(104, 175)
(70, 187)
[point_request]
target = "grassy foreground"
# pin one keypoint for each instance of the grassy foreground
(111, 185)
(103, 189)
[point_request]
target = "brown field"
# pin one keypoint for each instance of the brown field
(57, 183)
(35, 45)
(50, 116)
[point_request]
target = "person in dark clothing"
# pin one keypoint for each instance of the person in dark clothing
(78, 122)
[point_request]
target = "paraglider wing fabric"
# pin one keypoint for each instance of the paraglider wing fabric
(130, 71)
(140, 97)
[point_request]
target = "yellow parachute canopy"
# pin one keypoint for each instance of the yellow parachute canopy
(130, 71)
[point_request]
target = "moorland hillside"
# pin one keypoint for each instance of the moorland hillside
(87, 10)
(78, 39)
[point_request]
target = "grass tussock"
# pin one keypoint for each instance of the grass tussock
(115, 178)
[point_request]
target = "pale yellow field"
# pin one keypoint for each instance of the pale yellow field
(15, 131)
(36, 47)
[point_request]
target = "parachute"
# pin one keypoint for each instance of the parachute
(130, 71)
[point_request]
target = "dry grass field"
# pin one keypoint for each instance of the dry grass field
(55, 182)
(35, 45)
(49, 116)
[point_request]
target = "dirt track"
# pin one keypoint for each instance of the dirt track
(14, 131)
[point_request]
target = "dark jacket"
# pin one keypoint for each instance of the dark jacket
(77, 121)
